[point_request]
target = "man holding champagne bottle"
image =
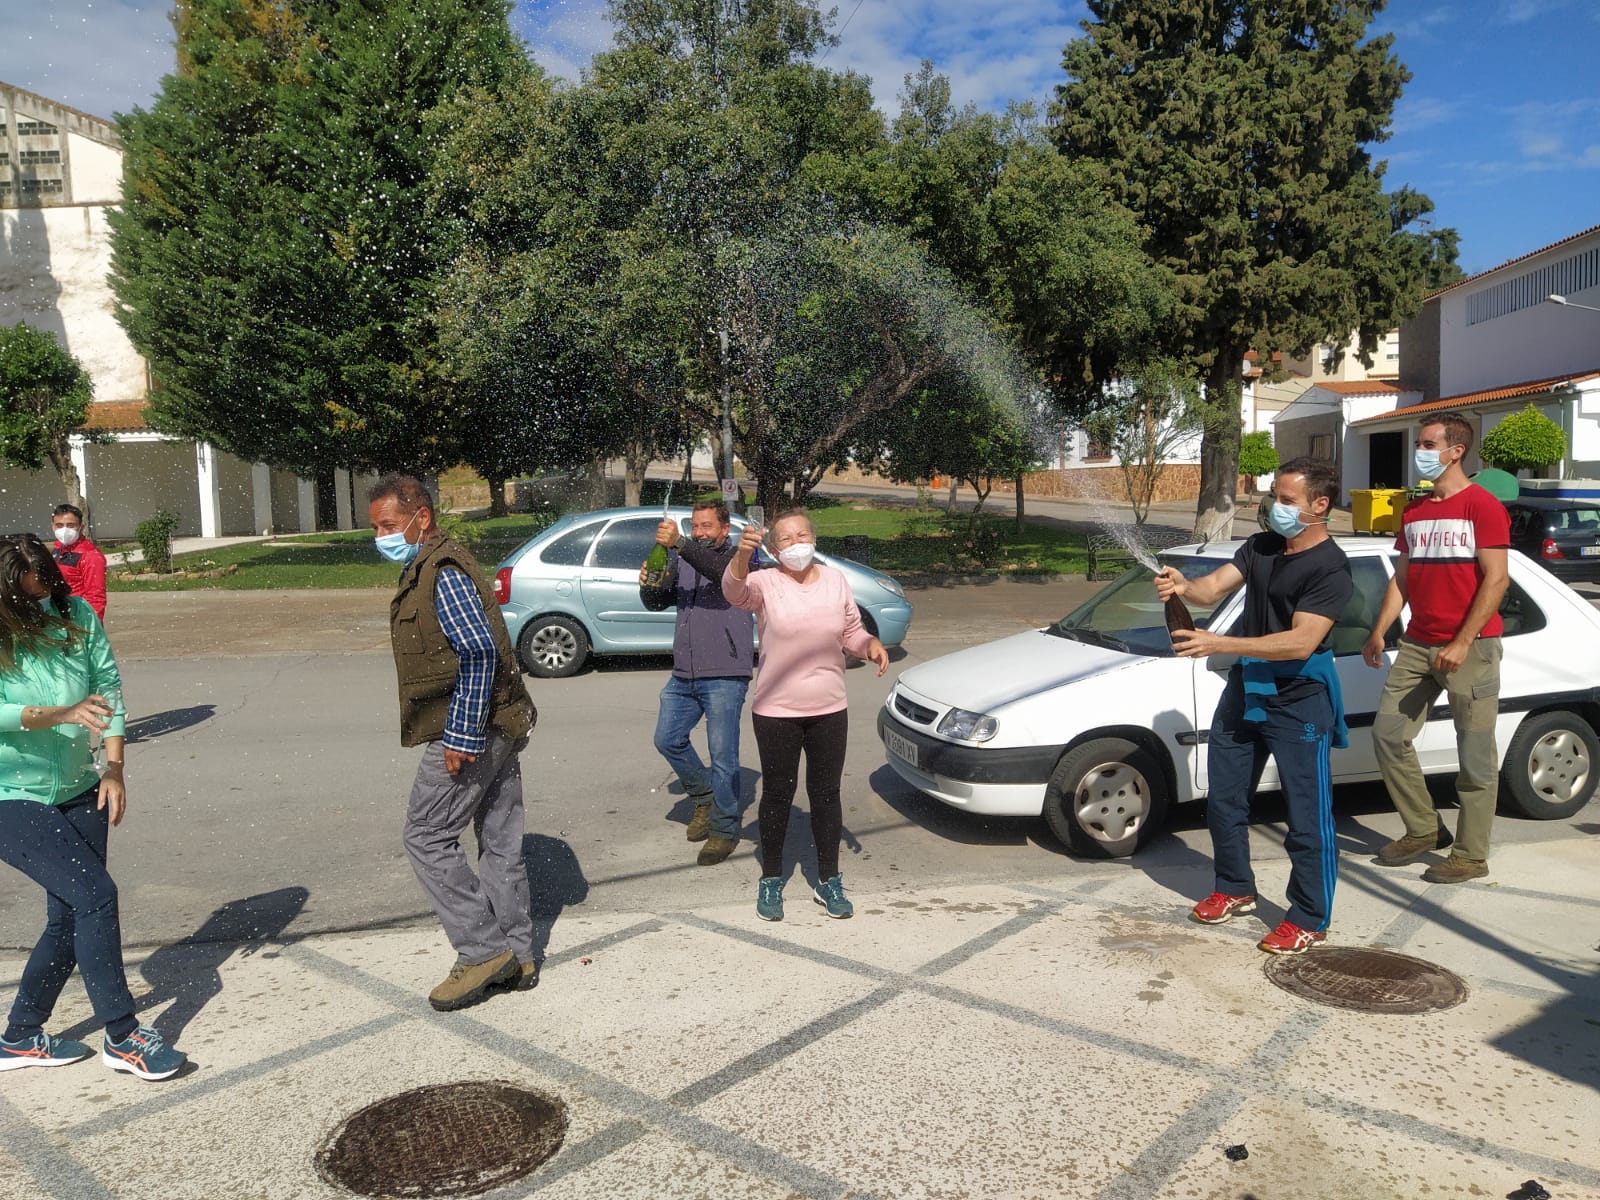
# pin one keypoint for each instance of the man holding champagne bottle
(713, 654)
(1282, 698)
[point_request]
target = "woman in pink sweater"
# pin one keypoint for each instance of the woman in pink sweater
(807, 619)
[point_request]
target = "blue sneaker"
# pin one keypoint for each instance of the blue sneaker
(144, 1053)
(830, 894)
(40, 1050)
(769, 898)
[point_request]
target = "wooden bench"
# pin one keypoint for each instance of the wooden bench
(1109, 558)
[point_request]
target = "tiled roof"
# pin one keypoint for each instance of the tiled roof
(1511, 262)
(116, 416)
(1360, 387)
(1470, 399)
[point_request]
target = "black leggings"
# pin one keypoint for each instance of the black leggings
(780, 741)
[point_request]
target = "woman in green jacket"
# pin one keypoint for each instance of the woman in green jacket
(56, 809)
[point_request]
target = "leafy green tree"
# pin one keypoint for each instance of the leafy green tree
(271, 251)
(835, 331)
(1257, 454)
(955, 426)
(613, 232)
(44, 399)
(1026, 231)
(1238, 134)
(1524, 441)
(1144, 419)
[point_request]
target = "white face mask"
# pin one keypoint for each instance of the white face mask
(66, 535)
(798, 556)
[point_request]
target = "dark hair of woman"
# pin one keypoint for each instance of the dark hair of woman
(28, 625)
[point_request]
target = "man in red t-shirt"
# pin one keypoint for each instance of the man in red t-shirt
(1452, 570)
(81, 561)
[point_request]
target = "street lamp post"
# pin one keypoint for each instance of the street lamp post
(1553, 298)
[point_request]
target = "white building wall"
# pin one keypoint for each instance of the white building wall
(1536, 341)
(55, 263)
(96, 170)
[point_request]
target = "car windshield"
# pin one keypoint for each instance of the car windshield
(1128, 616)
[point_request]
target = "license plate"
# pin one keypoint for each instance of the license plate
(900, 747)
(1589, 551)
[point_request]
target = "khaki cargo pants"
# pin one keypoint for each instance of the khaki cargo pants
(1474, 695)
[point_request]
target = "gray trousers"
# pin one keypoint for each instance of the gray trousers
(1474, 695)
(486, 913)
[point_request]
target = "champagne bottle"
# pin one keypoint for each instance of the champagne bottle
(1178, 615)
(656, 567)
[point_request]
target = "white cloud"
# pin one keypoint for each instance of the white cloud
(563, 38)
(1415, 113)
(1520, 12)
(1421, 26)
(992, 54)
(102, 58)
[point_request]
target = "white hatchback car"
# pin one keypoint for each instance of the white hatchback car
(1094, 723)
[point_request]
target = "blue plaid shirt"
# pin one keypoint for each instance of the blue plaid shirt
(467, 629)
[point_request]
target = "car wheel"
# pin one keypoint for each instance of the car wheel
(1106, 798)
(552, 647)
(1551, 766)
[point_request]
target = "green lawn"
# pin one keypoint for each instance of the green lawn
(323, 560)
(903, 540)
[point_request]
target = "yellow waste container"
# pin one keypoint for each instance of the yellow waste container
(1372, 510)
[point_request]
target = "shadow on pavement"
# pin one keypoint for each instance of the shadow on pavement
(146, 729)
(555, 880)
(968, 829)
(186, 972)
(1563, 1038)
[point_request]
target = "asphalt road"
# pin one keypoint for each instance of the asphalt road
(265, 762)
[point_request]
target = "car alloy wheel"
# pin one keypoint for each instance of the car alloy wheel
(553, 647)
(1106, 798)
(1550, 766)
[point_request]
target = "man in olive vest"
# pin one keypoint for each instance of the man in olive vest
(462, 696)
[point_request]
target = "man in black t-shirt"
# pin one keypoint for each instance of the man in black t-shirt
(1282, 698)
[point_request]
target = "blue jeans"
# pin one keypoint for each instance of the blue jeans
(62, 848)
(1297, 734)
(720, 701)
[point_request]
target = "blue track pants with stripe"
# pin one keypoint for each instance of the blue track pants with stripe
(1296, 734)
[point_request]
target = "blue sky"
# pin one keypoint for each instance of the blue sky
(1500, 124)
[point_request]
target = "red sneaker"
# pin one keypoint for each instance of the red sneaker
(1219, 907)
(1290, 939)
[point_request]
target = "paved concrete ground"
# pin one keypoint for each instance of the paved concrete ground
(998, 1020)
(1060, 1036)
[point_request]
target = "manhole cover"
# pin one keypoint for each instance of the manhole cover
(452, 1139)
(1365, 980)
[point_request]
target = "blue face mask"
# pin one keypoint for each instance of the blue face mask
(394, 546)
(1428, 464)
(1285, 519)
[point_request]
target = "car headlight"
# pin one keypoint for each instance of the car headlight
(890, 584)
(968, 726)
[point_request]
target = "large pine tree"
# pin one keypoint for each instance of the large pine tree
(1238, 132)
(272, 249)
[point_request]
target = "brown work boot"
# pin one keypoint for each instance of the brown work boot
(525, 980)
(467, 982)
(700, 824)
(1455, 869)
(1408, 849)
(716, 849)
